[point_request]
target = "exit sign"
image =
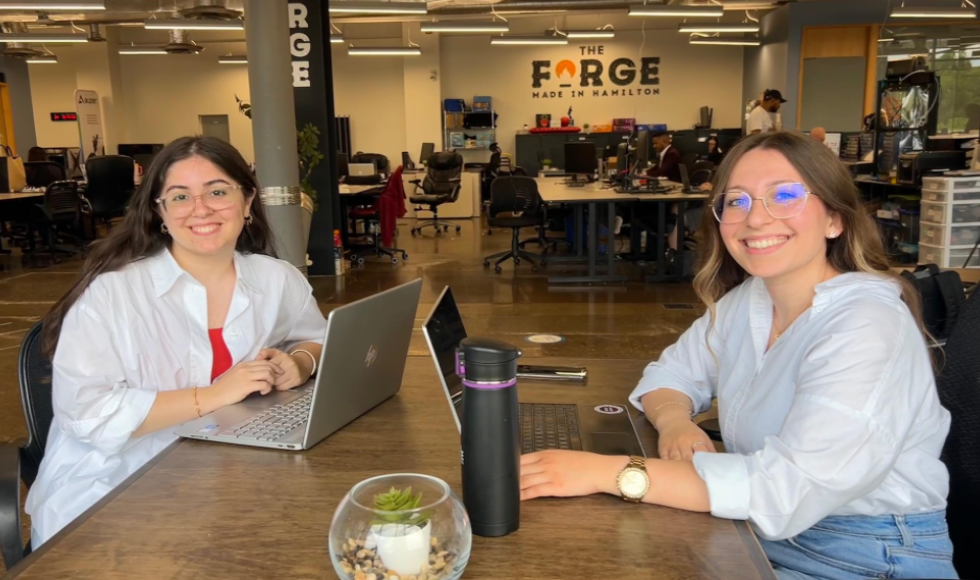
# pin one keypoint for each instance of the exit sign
(64, 116)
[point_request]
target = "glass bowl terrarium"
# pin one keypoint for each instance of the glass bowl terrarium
(409, 526)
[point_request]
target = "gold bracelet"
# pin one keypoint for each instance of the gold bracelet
(197, 407)
(309, 354)
(658, 407)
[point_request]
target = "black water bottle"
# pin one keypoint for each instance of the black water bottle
(490, 437)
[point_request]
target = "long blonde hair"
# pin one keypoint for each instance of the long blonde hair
(858, 249)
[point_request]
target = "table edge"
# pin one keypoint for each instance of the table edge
(754, 549)
(27, 562)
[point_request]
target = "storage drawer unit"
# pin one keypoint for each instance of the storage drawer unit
(948, 235)
(955, 213)
(948, 257)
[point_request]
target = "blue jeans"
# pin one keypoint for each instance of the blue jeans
(861, 547)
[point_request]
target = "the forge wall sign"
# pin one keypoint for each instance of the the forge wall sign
(591, 76)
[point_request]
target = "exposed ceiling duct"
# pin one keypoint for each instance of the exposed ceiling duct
(95, 33)
(210, 10)
(18, 49)
(180, 43)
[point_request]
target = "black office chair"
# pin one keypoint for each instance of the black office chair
(62, 219)
(701, 172)
(689, 159)
(21, 460)
(958, 383)
(517, 197)
(380, 161)
(110, 186)
(442, 183)
(43, 173)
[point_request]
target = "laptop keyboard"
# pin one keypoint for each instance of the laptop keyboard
(547, 426)
(274, 423)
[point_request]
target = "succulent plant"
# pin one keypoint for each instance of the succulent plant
(398, 507)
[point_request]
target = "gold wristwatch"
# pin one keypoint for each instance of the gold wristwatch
(633, 481)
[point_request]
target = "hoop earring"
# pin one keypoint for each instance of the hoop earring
(248, 220)
(163, 229)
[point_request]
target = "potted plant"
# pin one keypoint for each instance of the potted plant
(400, 533)
(546, 164)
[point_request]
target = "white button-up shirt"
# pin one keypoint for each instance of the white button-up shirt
(135, 332)
(840, 417)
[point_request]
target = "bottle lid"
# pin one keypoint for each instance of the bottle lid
(488, 351)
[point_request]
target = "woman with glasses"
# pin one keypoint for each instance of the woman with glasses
(182, 309)
(816, 353)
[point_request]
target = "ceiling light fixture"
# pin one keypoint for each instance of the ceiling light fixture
(54, 5)
(378, 8)
(677, 11)
(529, 40)
(726, 41)
(746, 27)
(465, 27)
(336, 37)
(232, 59)
(591, 34)
(385, 51)
(43, 60)
(904, 12)
(42, 38)
(130, 50)
(192, 24)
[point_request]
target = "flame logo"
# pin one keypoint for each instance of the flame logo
(565, 66)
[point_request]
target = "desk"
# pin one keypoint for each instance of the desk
(553, 190)
(206, 511)
(20, 195)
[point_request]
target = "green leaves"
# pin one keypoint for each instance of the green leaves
(308, 147)
(397, 507)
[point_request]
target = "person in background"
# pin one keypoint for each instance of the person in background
(715, 153)
(181, 310)
(818, 134)
(669, 165)
(816, 353)
(37, 154)
(760, 119)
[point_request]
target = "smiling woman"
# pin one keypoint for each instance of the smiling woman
(826, 397)
(181, 310)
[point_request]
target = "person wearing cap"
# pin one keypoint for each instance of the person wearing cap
(760, 120)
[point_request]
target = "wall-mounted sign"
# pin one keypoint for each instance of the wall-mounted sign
(64, 116)
(588, 74)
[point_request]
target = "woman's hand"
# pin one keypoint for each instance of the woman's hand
(244, 379)
(296, 370)
(681, 438)
(568, 473)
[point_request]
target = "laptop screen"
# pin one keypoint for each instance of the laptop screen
(445, 330)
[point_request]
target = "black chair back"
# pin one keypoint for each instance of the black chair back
(701, 172)
(514, 194)
(61, 201)
(110, 184)
(379, 160)
(43, 173)
(689, 159)
(34, 372)
(442, 175)
(959, 392)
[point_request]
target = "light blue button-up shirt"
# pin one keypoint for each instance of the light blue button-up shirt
(840, 417)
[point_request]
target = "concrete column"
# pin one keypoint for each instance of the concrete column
(274, 124)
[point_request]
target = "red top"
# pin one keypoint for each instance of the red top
(221, 357)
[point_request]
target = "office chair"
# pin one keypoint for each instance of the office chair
(689, 159)
(43, 173)
(519, 198)
(62, 218)
(380, 219)
(110, 186)
(701, 172)
(20, 460)
(442, 183)
(379, 160)
(958, 383)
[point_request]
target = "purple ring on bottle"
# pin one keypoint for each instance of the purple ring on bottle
(490, 386)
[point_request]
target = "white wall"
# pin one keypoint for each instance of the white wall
(690, 77)
(53, 91)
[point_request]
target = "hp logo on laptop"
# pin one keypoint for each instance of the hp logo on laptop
(372, 354)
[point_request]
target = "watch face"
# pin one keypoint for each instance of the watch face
(633, 483)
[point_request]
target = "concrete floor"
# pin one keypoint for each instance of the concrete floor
(626, 321)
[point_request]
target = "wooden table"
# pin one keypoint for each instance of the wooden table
(554, 190)
(20, 195)
(206, 510)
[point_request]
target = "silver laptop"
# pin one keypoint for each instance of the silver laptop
(362, 169)
(363, 359)
(609, 429)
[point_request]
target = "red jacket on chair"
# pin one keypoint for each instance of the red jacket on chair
(391, 206)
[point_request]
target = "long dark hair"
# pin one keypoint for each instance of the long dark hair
(139, 235)
(858, 249)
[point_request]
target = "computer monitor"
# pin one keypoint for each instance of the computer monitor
(581, 158)
(643, 148)
(142, 153)
(427, 150)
